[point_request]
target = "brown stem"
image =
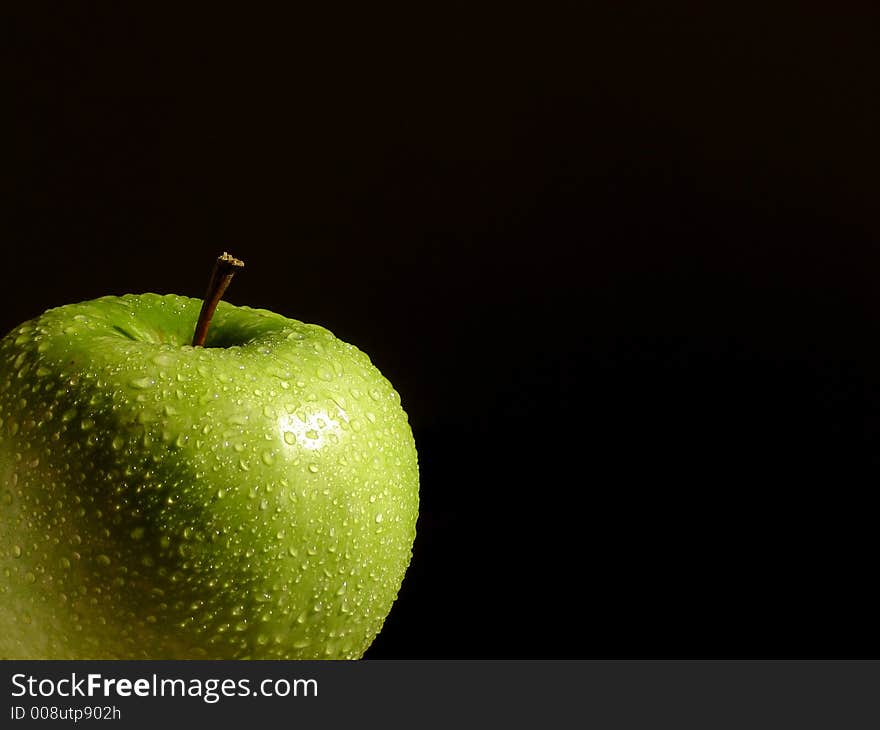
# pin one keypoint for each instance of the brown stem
(224, 269)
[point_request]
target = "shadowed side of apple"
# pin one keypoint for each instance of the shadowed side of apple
(252, 498)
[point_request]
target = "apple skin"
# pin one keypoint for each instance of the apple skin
(255, 498)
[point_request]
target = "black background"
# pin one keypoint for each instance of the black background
(620, 263)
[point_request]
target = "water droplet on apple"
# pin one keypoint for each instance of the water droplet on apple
(137, 533)
(289, 438)
(313, 468)
(325, 374)
(16, 551)
(142, 383)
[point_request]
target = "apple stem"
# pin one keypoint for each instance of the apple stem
(224, 269)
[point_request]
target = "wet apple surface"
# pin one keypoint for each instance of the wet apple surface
(253, 498)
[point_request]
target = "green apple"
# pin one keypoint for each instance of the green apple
(253, 498)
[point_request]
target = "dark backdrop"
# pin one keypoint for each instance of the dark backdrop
(620, 264)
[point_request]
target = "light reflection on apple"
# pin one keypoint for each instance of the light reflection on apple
(315, 431)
